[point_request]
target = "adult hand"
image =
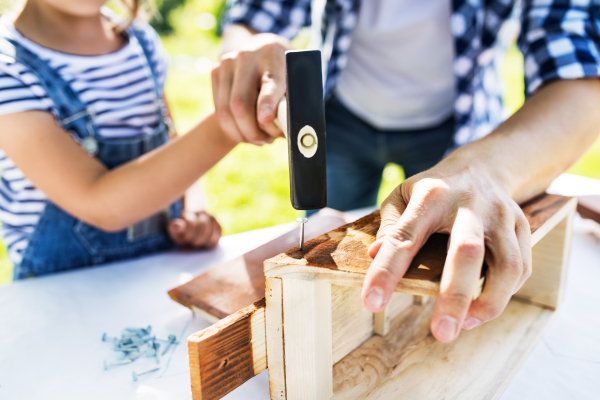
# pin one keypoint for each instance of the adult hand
(483, 222)
(198, 230)
(247, 87)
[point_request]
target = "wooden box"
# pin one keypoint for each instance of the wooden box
(320, 343)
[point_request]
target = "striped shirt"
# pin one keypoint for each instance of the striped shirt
(118, 87)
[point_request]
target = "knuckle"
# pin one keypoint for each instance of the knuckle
(430, 188)
(489, 311)
(401, 239)
(501, 210)
(245, 56)
(238, 106)
(457, 299)
(222, 112)
(471, 248)
(514, 265)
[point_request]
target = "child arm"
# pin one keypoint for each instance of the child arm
(108, 199)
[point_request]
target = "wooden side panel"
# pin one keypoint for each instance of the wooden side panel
(409, 363)
(352, 322)
(341, 256)
(398, 304)
(227, 354)
(550, 258)
(307, 339)
(275, 350)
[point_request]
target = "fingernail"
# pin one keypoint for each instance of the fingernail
(374, 298)
(446, 329)
(265, 111)
(471, 323)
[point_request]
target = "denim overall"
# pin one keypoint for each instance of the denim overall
(60, 241)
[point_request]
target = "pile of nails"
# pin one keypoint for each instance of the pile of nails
(133, 343)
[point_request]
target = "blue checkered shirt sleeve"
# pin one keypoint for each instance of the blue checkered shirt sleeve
(282, 17)
(559, 41)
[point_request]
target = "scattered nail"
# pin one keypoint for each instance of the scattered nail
(105, 337)
(107, 366)
(172, 340)
(135, 375)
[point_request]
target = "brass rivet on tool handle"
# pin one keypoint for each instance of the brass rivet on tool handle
(308, 141)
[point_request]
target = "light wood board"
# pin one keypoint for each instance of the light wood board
(409, 363)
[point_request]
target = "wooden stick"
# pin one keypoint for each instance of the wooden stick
(275, 348)
(227, 354)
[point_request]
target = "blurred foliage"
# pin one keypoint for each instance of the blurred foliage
(249, 188)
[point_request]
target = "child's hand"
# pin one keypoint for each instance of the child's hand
(198, 230)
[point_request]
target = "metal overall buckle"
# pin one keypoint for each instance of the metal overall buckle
(89, 143)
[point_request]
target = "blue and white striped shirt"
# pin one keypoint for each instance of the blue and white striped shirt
(118, 87)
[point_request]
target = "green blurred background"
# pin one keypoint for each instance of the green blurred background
(249, 188)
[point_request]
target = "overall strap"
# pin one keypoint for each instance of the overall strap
(145, 45)
(74, 115)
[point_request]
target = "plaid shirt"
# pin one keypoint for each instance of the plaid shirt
(557, 38)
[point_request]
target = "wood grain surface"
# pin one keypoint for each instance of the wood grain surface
(345, 249)
(409, 363)
(235, 284)
(228, 353)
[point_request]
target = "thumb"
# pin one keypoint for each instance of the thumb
(271, 92)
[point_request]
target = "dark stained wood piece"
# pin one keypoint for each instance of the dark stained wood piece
(233, 285)
(589, 207)
(222, 357)
(346, 248)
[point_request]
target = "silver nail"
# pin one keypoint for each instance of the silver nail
(302, 221)
(135, 375)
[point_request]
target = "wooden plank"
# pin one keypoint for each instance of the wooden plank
(341, 256)
(396, 306)
(589, 207)
(226, 354)
(307, 339)
(275, 349)
(352, 323)
(409, 363)
(235, 284)
(545, 286)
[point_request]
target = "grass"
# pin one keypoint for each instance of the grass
(249, 188)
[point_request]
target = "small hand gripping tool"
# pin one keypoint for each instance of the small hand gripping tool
(301, 117)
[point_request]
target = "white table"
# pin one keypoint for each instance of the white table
(50, 327)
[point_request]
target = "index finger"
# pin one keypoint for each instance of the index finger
(399, 246)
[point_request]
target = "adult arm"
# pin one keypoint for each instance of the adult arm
(249, 80)
(108, 199)
(473, 195)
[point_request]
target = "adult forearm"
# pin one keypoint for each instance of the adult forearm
(546, 136)
(157, 179)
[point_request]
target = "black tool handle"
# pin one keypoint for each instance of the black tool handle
(305, 108)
